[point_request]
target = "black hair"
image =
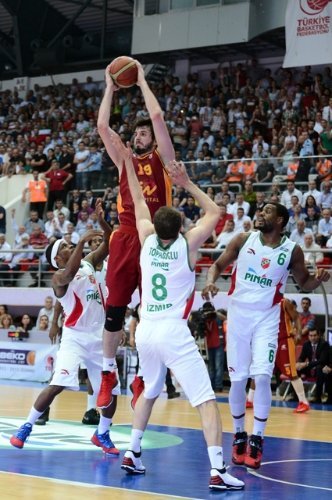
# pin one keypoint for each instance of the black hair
(145, 122)
(308, 299)
(167, 223)
(281, 212)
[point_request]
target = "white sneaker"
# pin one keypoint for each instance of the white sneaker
(221, 480)
(132, 463)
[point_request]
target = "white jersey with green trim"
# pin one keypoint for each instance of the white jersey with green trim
(260, 273)
(168, 282)
(82, 303)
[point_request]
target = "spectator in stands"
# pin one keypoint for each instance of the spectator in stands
(60, 207)
(39, 160)
(6, 321)
(314, 356)
(323, 170)
(308, 320)
(38, 240)
(239, 218)
(47, 310)
(25, 324)
(297, 215)
(312, 191)
(288, 193)
(42, 324)
(191, 210)
(94, 167)
(326, 198)
(83, 223)
(239, 203)
(81, 162)
(76, 197)
(298, 234)
(265, 171)
(226, 234)
(311, 203)
(312, 220)
(312, 251)
(5, 253)
(324, 227)
(71, 236)
(325, 146)
(36, 190)
(56, 178)
(60, 225)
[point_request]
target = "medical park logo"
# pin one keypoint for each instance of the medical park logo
(318, 22)
(73, 436)
(253, 276)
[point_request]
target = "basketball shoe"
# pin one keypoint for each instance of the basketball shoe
(302, 407)
(132, 463)
(239, 448)
(19, 438)
(136, 387)
(104, 441)
(254, 452)
(108, 382)
(221, 480)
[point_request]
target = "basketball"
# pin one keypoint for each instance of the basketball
(123, 71)
(317, 4)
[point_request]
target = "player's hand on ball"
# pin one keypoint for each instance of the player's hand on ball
(140, 73)
(210, 289)
(109, 80)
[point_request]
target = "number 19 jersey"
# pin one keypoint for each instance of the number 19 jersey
(168, 282)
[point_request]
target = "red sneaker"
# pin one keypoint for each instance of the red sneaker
(108, 382)
(254, 452)
(104, 442)
(302, 407)
(136, 387)
(249, 404)
(239, 448)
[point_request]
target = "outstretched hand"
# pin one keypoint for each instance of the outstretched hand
(210, 289)
(124, 150)
(140, 73)
(109, 80)
(99, 209)
(178, 173)
(322, 275)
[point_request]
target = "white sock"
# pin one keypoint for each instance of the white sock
(299, 389)
(109, 364)
(34, 415)
(216, 457)
(104, 424)
(262, 403)
(250, 396)
(91, 401)
(237, 403)
(135, 440)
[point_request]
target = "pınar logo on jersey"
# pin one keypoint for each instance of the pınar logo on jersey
(253, 276)
(92, 294)
(265, 263)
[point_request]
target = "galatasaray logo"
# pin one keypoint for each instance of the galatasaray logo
(265, 263)
(313, 7)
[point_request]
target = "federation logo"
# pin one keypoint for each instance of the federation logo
(265, 263)
(313, 7)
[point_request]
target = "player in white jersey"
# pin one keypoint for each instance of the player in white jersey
(263, 261)
(76, 287)
(163, 338)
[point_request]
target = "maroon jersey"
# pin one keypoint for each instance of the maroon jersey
(156, 186)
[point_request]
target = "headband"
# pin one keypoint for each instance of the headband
(54, 252)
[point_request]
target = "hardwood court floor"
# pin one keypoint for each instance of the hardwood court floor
(59, 462)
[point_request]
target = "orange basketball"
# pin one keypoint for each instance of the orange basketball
(123, 71)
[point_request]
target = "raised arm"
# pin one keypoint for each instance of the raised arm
(102, 251)
(104, 113)
(200, 233)
(163, 139)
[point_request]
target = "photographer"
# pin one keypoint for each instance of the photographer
(206, 323)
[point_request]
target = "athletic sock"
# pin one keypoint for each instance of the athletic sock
(91, 401)
(299, 389)
(104, 424)
(34, 415)
(109, 364)
(250, 396)
(216, 457)
(135, 440)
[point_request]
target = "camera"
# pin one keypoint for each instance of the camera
(197, 322)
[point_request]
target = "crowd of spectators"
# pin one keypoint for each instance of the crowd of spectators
(247, 135)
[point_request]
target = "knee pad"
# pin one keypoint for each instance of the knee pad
(114, 318)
